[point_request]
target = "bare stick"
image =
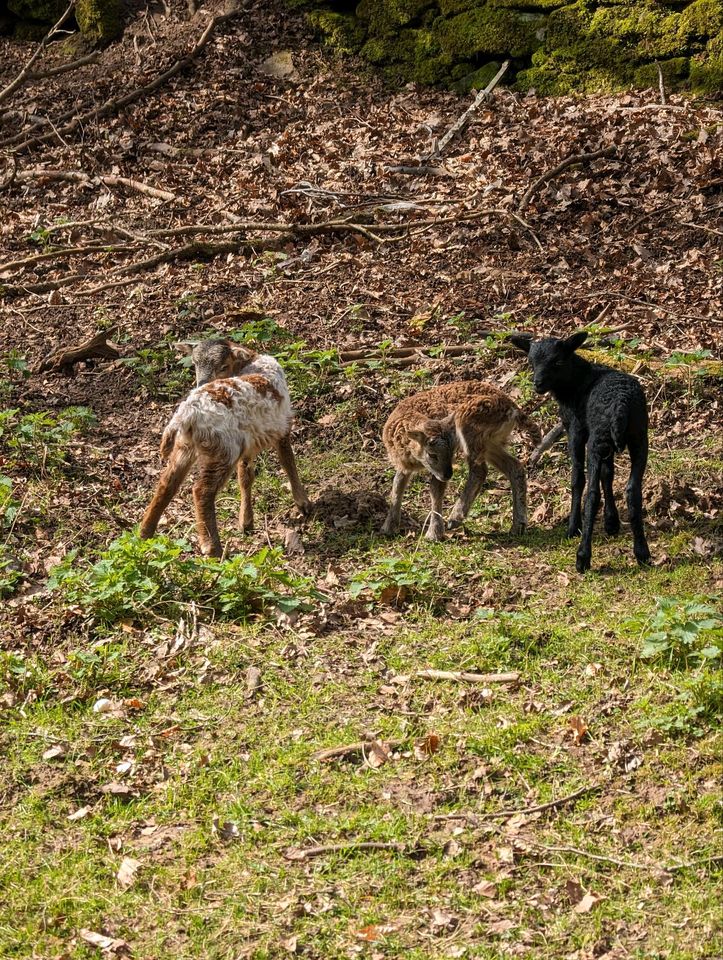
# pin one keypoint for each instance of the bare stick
(555, 171)
(632, 864)
(350, 847)
(462, 676)
(661, 85)
(457, 126)
(506, 814)
(117, 103)
(65, 67)
(361, 747)
(24, 74)
(79, 176)
(60, 255)
(701, 226)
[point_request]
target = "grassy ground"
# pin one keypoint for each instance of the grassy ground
(201, 768)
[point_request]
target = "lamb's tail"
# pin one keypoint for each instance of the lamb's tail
(524, 424)
(619, 416)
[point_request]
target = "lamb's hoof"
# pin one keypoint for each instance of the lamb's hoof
(454, 523)
(247, 528)
(611, 525)
(213, 552)
(434, 535)
(305, 507)
(642, 555)
(387, 531)
(573, 530)
(583, 561)
(517, 529)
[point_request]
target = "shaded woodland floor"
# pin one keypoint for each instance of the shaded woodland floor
(161, 717)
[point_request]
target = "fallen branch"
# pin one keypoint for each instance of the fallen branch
(353, 356)
(361, 748)
(555, 171)
(65, 67)
(65, 357)
(506, 814)
(350, 847)
(462, 676)
(21, 141)
(661, 85)
(24, 74)
(457, 126)
(79, 176)
(702, 226)
(60, 254)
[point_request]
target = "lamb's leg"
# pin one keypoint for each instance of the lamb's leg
(611, 517)
(576, 444)
(169, 482)
(212, 475)
(514, 471)
(638, 461)
(399, 485)
(592, 505)
(435, 530)
(246, 473)
(468, 495)
(288, 464)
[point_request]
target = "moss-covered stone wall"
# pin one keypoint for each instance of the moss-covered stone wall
(99, 21)
(555, 46)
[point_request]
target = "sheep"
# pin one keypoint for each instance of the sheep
(239, 407)
(425, 431)
(605, 411)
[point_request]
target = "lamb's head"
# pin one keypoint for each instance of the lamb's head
(551, 360)
(217, 358)
(433, 445)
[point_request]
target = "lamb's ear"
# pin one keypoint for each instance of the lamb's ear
(447, 423)
(523, 342)
(420, 433)
(185, 348)
(575, 341)
(240, 354)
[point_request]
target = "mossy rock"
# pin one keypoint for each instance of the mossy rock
(491, 31)
(706, 74)
(341, 31)
(42, 11)
(700, 20)
(29, 30)
(477, 79)
(674, 72)
(100, 21)
(385, 17)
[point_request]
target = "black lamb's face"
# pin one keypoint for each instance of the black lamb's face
(551, 360)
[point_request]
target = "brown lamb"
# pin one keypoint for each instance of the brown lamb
(426, 432)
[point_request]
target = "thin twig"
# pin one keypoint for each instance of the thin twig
(350, 847)
(352, 749)
(22, 141)
(24, 74)
(555, 171)
(631, 864)
(463, 676)
(65, 67)
(458, 124)
(506, 814)
(661, 85)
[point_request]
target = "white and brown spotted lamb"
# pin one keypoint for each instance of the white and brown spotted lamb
(240, 408)
(426, 432)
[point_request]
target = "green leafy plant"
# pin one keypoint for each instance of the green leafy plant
(396, 580)
(159, 576)
(161, 372)
(696, 709)
(8, 505)
(41, 440)
(683, 633)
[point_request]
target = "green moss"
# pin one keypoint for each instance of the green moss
(45, 11)
(385, 17)
(706, 73)
(341, 31)
(27, 30)
(566, 27)
(100, 21)
(478, 79)
(700, 20)
(491, 31)
(674, 71)
(648, 32)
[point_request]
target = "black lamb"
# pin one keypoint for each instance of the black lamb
(604, 410)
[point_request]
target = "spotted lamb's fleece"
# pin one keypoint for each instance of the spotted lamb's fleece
(224, 422)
